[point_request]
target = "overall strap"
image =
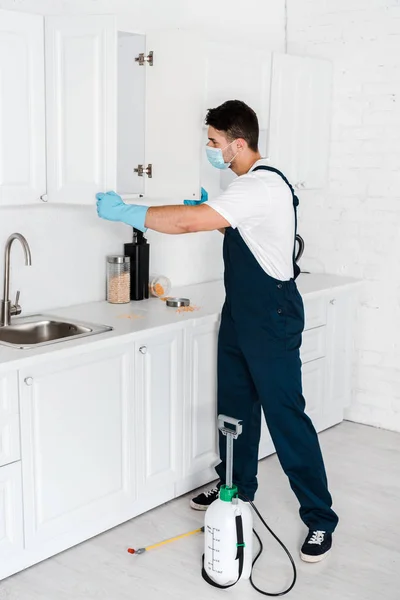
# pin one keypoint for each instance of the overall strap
(296, 268)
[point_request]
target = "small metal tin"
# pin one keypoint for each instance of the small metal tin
(178, 302)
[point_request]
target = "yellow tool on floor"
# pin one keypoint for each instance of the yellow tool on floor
(173, 539)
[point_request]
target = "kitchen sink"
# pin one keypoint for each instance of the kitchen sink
(40, 330)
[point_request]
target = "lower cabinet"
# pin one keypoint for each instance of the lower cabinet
(11, 515)
(102, 438)
(78, 445)
(109, 434)
(159, 373)
(341, 310)
(200, 436)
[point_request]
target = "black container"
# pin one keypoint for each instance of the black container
(139, 253)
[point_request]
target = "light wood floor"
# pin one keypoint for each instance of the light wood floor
(363, 466)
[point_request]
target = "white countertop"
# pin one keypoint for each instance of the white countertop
(130, 320)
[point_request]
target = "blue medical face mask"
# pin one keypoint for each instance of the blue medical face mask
(216, 158)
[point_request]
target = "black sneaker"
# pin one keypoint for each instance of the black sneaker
(316, 546)
(203, 500)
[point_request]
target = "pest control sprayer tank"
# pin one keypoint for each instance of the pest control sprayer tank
(228, 530)
(228, 526)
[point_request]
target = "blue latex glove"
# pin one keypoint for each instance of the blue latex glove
(111, 207)
(204, 198)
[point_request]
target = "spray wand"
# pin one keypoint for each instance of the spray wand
(173, 539)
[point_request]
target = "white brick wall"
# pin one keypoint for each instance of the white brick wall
(353, 227)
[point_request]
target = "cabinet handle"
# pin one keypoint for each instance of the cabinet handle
(28, 380)
(333, 301)
(143, 349)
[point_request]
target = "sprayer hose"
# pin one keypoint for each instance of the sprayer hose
(261, 550)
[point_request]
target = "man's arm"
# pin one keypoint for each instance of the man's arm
(165, 219)
(184, 219)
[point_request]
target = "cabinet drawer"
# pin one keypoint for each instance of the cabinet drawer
(315, 312)
(314, 344)
(9, 419)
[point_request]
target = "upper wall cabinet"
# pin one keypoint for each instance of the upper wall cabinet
(300, 119)
(80, 104)
(125, 111)
(232, 74)
(22, 114)
(119, 107)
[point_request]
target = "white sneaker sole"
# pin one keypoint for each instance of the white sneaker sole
(197, 506)
(313, 559)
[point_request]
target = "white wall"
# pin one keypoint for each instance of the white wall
(69, 244)
(353, 227)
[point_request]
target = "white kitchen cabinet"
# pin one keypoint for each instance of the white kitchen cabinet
(80, 107)
(9, 419)
(233, 74)
(300, 119)
(11, 516)
(78, 436)
(22, 109)
(159, 371)
(116, 101)
(340, 342)
(200, 437)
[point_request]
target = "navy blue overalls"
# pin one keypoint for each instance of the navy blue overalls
(259, 366)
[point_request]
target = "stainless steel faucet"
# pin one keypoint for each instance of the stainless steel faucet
(7, 309)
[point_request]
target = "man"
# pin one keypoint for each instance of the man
(262, 317)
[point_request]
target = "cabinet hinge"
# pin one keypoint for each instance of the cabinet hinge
(141, 170)
(142, 59)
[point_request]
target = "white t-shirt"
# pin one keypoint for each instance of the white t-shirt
(260, 205)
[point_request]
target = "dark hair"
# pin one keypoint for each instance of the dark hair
(237, 120)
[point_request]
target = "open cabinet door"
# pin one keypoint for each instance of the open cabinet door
(81, 90)
(174, 116)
